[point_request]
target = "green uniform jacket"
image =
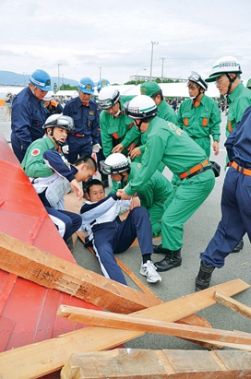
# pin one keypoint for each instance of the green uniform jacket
(155, 195)
(33, 162)
(156, 189)
(200, 122)
(166, 112)
(120, 129)
(168, 144)
(238, 102)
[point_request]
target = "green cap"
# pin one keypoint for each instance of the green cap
(149, 88)
(249, 83)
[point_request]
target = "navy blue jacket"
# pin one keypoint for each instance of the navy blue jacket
(238, 143)
(86, 119)
(28, 116)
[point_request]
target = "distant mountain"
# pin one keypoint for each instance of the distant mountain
(9, 78)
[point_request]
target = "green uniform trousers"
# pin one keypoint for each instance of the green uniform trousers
(189, 195)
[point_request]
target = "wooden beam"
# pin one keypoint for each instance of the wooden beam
(38, 359)
(50, 271)
(156, 364)
(233, 304)
(118, 321)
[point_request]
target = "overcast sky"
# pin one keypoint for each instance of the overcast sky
(113, 38)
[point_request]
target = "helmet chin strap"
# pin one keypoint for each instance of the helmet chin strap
(195, 99)
(231, 80)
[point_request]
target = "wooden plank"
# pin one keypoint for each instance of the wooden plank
(118, 321)
(156, 364)
(50, 355)
(233, 304)
(50, 271)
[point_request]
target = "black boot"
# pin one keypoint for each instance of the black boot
(239, 247)
(171, 260)
(158, 249)
(203, 278)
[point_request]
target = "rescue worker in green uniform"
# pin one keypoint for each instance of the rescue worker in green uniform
(154, 195)
(164, 111)
(200, 116)
(118, 131)
(169, 144)
(226, 73)
(248, 84)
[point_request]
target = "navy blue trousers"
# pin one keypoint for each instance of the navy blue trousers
(235, 221)
(17, 147)
(65, 221)
(116, 237)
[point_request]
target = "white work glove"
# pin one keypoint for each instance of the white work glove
(96, 148)
(65, 149)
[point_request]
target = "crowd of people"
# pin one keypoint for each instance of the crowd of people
(130, 141)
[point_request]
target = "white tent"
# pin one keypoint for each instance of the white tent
(168, 89)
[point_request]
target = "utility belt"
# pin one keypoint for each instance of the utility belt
(78, 135)
(243, 170)
(201, 167)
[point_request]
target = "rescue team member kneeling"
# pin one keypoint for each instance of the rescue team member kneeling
(52, 176)
(235, 203)
(169, 144)
(110, 235)
(154, 195)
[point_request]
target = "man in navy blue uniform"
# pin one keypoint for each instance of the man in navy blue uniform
(84, 111)
(235, 203)
(28, 113)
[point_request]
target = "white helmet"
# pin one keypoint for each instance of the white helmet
(196, 78)
(141, 107)
(59, 120)
(108, 97)
(115, 164)
(224, 65)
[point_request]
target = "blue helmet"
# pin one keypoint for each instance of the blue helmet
(41, 80)
(102, 83)
(86, 85)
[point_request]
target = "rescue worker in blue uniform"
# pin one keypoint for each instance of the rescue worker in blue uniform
(226, 73)
(84, 111)
(235, 203)
(52, 176)
(28, 113)
(110, 235)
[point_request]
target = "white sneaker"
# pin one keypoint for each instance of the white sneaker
(149, 270)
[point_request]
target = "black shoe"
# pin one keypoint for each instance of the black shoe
(158, 249)
(171, 260)
(203, 278)
(239, 247)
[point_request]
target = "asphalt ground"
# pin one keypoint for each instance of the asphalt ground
(180, 281)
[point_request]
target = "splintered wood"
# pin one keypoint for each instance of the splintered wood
(158, 364)
(50, 271)
(233, 304)
(118, 321)
(38, 359)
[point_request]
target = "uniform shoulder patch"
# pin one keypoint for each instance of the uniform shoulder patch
(35, 152)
